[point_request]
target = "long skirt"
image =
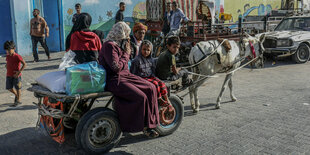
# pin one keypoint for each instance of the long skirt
(135, 102)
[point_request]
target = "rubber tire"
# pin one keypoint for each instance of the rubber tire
(296, 55)
(82, 121)
(85, 123)
(177, 104)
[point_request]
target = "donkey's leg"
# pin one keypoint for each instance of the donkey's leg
(191, 90)
(218, 102)
(197, 103)
(230, 85)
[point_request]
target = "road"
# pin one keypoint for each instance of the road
(271, 116)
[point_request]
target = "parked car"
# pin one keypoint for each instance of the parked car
(291, 37)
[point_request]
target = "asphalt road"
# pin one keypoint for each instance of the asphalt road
(271, 116)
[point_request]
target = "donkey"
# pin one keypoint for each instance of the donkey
(221, 61)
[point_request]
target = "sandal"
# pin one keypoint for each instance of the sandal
(151, 133)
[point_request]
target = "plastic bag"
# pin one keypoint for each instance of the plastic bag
(85, 78)
(67, 60)
(54, 81)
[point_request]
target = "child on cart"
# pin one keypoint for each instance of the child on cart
(166, 65)
(144, 66)
(14, 71)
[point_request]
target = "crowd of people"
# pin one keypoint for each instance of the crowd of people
(138, 89)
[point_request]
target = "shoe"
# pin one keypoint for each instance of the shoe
(15, 100)
(48, 58)
(15, 104)
(151, 133)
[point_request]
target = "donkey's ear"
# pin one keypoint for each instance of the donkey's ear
(247, 35)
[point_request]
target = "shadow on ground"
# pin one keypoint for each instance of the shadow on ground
(37, 142)
(44, 68)
(17, 108)
(43, 60)
(188, 111)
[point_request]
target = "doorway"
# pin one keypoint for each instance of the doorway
(6, 32)
(51, 13)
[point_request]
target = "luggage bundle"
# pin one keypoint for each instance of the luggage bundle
(75, 78)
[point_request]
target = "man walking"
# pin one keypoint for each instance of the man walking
(78, 9)
(38, 31)
(120, 13)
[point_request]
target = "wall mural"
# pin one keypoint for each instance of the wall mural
(250, 7)
(103, 12)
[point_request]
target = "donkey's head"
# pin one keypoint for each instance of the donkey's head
(253, 47)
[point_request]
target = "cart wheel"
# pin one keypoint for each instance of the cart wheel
(168, 122)
(98, 131)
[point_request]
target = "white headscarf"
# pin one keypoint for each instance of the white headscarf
(119, 31)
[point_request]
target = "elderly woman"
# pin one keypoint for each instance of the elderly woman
(135, 98)
(136, 39)
(82, 41)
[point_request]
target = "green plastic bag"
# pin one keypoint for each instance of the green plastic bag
(85, 78)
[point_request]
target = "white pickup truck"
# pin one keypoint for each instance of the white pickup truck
(291, 37)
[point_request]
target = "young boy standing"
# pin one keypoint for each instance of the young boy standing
(78, 9)
(14, 70)
(120, 13)
(166, 66)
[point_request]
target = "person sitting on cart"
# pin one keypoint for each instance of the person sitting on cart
(135, 98)
(136, 39)
(166, 65)
(176, 18)
(144, 66)
(82, 41)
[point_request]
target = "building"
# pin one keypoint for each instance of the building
(16, 15)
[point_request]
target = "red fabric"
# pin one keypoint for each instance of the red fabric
(86, 41)
(139, 26)
(160, 86)
(253, 50)
(13, 64)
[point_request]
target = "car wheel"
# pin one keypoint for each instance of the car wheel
(302, 54)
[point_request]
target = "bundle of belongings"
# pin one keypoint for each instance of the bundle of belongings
(83, 78)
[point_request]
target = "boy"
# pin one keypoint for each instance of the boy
(14, 69)
(78, 9)
(120, 13)
(166, 66)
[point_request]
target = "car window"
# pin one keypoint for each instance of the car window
(300, 24)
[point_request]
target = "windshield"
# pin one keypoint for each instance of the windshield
(300, 24)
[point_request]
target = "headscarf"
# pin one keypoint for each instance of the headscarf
(139, 26)
(82, 23)
(146, 64)
(146, 42)
(100, 34)
(119, 32)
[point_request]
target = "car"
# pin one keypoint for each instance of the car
(291, 37)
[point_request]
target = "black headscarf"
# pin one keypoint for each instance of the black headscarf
(82, 23)
(100, 34)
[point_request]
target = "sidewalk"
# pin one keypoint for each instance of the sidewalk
(33, 69)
